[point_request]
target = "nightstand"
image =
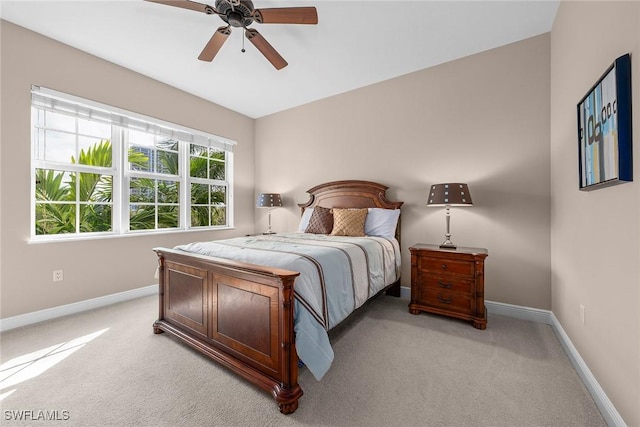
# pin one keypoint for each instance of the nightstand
(448, 282)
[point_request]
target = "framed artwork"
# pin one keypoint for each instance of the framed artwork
(604, 129)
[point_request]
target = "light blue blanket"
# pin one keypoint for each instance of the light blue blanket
(337, 275)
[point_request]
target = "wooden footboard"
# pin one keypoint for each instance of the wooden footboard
(238, 314)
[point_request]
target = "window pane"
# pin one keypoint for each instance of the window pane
(199, 194)
(168, 191)
(168, 217)
(140, 159)
(168, 144)
(104, 189)
(197, 150)
(91, 128)
(142, 217)
(141, 138)
(94, 151)
(199, 216)
(94, 187)
(60, 122)
(198, 167)
(95, 218)
(142, 190)
(55, 218)
(216, 169)
(52, 185)
(167, 162)
(59, 147)
(218, 195)
(146, 157)
(218, 216)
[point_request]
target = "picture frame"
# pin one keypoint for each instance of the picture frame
(604, 129)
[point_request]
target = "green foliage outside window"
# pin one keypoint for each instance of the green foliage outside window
(70, 202)
(207, 201)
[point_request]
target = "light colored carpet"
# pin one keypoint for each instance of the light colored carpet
(391, 369)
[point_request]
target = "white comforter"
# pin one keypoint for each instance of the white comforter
(337, 275)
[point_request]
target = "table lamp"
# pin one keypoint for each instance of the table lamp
(269, 201)
(447, 195)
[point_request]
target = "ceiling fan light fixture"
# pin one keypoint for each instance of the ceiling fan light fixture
(237, 15)
(235, 19)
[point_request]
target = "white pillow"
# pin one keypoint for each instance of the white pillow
(381, 222)
(304, 220)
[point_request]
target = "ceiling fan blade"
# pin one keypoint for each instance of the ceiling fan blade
(215, 43)
(286, 15)
(266, 49)
(186, 4)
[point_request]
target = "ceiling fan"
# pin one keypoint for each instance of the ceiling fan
(241, 13)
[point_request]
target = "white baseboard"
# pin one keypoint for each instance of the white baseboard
(608, 411)
(77, 307)
(405, 292)
(519, 312)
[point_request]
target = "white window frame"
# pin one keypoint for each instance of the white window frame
(120, 121)
(206, 181)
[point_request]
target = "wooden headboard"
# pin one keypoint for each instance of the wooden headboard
(351, 194)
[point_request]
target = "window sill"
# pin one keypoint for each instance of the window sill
(100, 236)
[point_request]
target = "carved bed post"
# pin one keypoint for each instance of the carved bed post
(287, 396)
(157, 330)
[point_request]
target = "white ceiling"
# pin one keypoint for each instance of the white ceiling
(356, 43)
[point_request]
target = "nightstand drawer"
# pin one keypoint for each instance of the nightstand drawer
(444, 283)
(446, 300)
(446, 266)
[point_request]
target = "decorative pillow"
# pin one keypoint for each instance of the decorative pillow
(381, 222)
(304, 219)
(320, 222)
(349, 222)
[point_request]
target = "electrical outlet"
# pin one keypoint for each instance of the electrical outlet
(582, 313)
(58, 276)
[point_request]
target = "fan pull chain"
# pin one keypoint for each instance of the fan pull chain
(242, 50)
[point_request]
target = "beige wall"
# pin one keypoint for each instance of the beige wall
(486, 120)
(97, 267)
(483, 120)
(595, 235)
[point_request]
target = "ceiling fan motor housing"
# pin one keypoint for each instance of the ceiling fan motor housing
(238, 15)
(241, 14)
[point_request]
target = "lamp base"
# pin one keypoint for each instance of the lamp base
(448, 244)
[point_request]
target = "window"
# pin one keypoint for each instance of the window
(206, 186)
(98, 170)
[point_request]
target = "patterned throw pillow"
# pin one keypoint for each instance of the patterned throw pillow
(349, 222)
(321, 221)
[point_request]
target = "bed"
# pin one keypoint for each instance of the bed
(256, 303)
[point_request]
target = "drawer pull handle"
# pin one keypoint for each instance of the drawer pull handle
(445, 300)
(444, 266)
(445, 285)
